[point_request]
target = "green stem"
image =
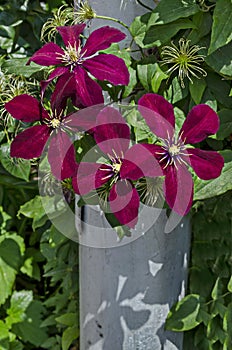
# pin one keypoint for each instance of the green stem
(221, 296)
(146, 7)
(113, 19)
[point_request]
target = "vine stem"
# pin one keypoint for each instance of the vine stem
(114, 20)
(145, 6)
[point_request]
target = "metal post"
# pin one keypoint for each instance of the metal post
(128, 287)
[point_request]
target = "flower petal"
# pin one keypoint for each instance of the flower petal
(90, 93)
(178, 189)
(139, 162)
(84, 119)
(112, 134)
(65, 88)
(158, 113)
(26, 108)
(61, 156)
(200, 122)
(71, 34)
(108, 67)
(57, 72)
(101, 39)
(30, 143)
(206, 164)
(124, 203)
(90, 176)
(48, 55)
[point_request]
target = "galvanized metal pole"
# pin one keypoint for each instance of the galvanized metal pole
(128, 287)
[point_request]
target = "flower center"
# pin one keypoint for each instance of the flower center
(55, 123)
(116, 166)
(72, 56)
(174, 151)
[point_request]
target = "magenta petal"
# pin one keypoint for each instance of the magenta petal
(139, 162)
(158, 113)
(84, 119)
(108, 67)
(29, 144)
(101, 39)
(112, 134)
(57, 72)
(65, 87)
(61, 156)
(70, 34)
(48, 55)
(26, 108)
(90, 93)
(178, 189)
(90, 176)
(124, 203)
(200, 122)
(206, 164)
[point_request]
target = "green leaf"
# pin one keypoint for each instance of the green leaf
(18, 66)
(138, 28)
(145, 74)
(220, 88)
(39, 207)
(18, 304)
(114, 49)
(225, 129)
(10, 253)
(175, 93)
(15, 166)
(221, 60)
(203, 23)
(170, 10)
(227, 320)
(157, 78)
(183, 315)
(229, 286)
(197, 89)
(214, 330)
(210, 188)
(227, 155)
(4, 331)
(69, 319)
(160, 34)
(16, 345)
(222, 25)
(180, 118)
(30, 330)
(217, 289)
(133, 80)
(7, 278)
(69, 335)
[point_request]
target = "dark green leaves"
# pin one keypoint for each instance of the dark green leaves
(170, 10)
(222, 25)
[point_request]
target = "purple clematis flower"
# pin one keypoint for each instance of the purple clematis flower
(30, 143)
(75, 62)
(124, 165)
(174, 154)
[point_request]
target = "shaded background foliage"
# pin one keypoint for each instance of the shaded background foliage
(39, 296)
(38, 265)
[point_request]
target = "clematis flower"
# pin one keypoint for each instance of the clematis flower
(30, 143)
(123, 165)
(74, 63)
(174, 154)
(184, 59)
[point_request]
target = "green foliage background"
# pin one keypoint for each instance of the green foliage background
(38, 265)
